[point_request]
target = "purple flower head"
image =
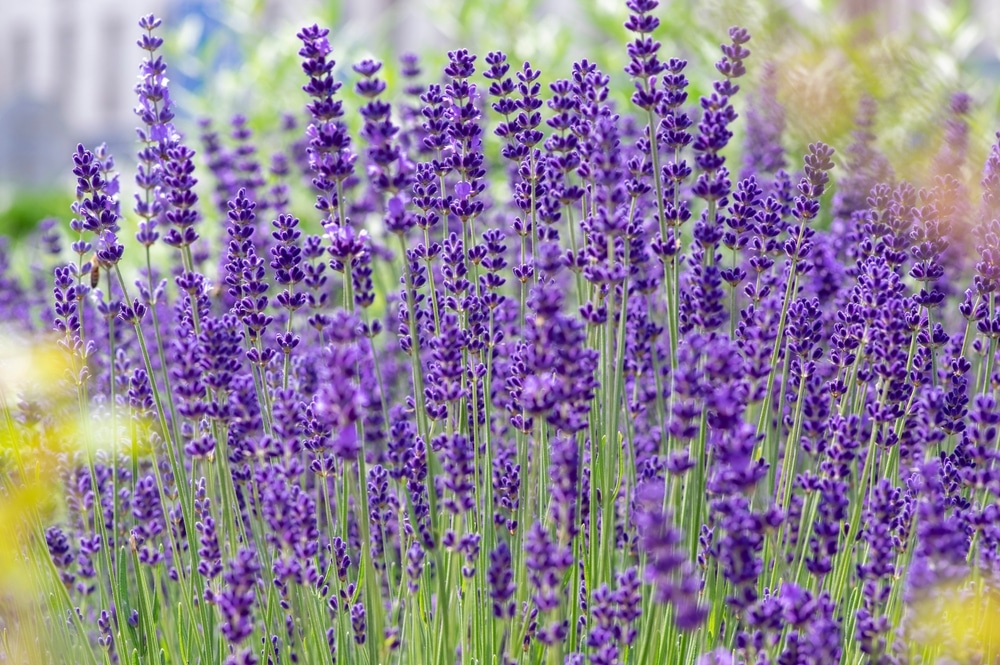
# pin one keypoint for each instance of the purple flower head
(236, 600)
(97, 204)
(410, 65)
(501, 579)
(459, 471)
(388, 170)
(330, 156)
(209, 554)
(955, 142)
(564, 474)
(155, 106)
(865, 166)
(340, 399)
(667, 567)
(718, 656)
(150, 521)
(731, 65)
(546, 562)
(460, 64)
(765, 123)
(643, 65)
(358, 623)
(180, 212)
(987, 229)
(61, 552)
(414, 566)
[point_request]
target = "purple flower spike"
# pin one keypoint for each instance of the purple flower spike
(667, 568)
(236, 600)
(501, 578)
(330, 156)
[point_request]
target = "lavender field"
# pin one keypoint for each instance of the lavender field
(476, 369)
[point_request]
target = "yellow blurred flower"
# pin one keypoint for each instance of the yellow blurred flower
(38, 364)
(960, 621)
(20, 510)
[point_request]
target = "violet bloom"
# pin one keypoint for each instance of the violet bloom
(236, 600)
(629, 604)
(290, 514)
(358, 622)
(286, 261)
(166, 166)
(150, 521)
(930, 238)
(643, 62)
(106, 639)
(389, 171)
(219, 161)
(180, 211)
(667, 568)
(866, 167)
(339, 402)
(436, 125)
(426, 199)
(506, 483)
(61, 552)
(675, 137)
(154, 96)
(955, 142)
(458, 463)
(330, 156)
(530, 184)
(502, 87)
(713, 132)
(701, 303)
(501, 579)
(410, 69)
(209, 554)
(942, 534)
(818, 164)
(556, 355)
(186, 378)
(765, 123)
(414, 566)
(546, 562)
(245, 270)
(466, 157)
(987, 229)
(97, 205)
(601, 635)
(564, 475)
(246, 168)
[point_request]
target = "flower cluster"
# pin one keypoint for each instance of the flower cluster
(584, 396)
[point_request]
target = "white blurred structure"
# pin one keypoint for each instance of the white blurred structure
(67, 71)
(75, 56)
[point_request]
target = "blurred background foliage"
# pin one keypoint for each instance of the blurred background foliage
(21, 211)
(910, 56)
(826, 53)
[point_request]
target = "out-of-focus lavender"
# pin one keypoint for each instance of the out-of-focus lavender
(596, 400)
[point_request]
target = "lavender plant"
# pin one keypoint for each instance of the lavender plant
(595, 402)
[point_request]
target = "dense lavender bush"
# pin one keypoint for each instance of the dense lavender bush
(592, 401)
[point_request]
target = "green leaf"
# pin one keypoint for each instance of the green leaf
(122, 572)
